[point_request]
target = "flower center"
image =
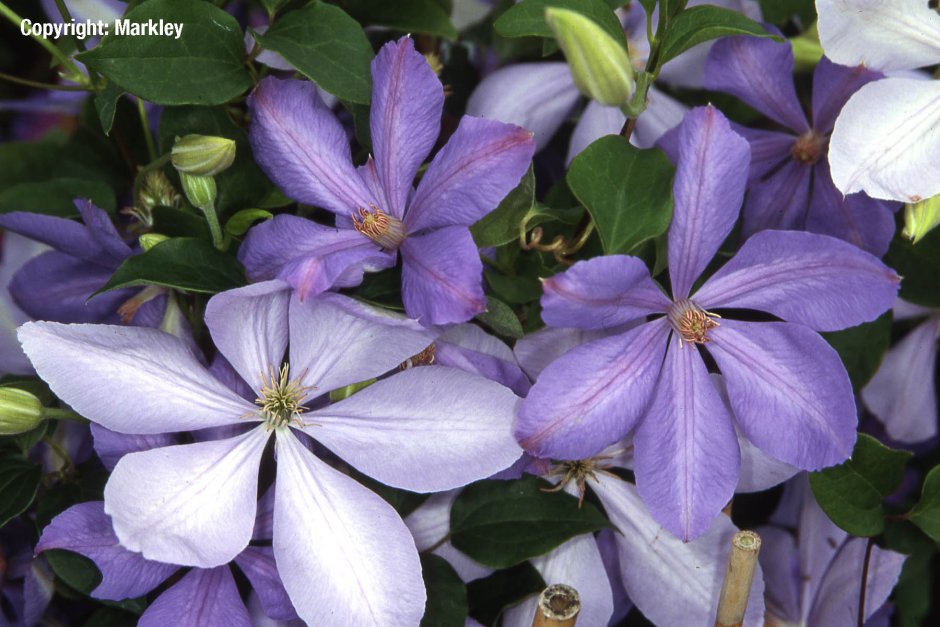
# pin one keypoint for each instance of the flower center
(579, 471)
(808, 148)
(424, 358)
(691, 322)
(385, 230)
(281, 398)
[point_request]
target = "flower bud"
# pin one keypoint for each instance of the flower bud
(920, 218)
(202, 155)
(155, 191)
(149, 240)
(20, 411)
(200, 190)
(599, 65)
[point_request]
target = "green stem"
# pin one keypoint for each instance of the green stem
(145, 124)
(16, 20)
(215, 229)
(38, 85)
(62, 414)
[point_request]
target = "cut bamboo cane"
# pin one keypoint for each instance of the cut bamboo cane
(745, 545)
(558, 606)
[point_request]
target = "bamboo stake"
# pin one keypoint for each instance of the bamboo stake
(558, 606)
(745, 545)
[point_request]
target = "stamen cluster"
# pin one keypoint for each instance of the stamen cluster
(281, 398)
(385, 230)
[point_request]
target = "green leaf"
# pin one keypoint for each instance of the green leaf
(409, 16)
(56, 197)
(926, 514)
(501, 318)
(106, 104)
(780, 11)
(862, 348)
(527, 19)
(503, 523)
(912, 594)
(19, 480)
(501, 225)
(704, 23)
(183, 263)
(447, 596)
(239, 223)
(29, 162)
(849, 500)
(327, 46)
(628, 191)
(881, 466)
(516, 289)
(205, 66)
(273, 5)
(174, 222)
(488, 597)
(919, 266)
(76, 570)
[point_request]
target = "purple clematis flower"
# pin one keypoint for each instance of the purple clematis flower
(302, 147)
(790, 185)
(787, 387)
(422, 429)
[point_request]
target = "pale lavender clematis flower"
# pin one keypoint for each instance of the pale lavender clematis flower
(15, 251)
(303, 148)
(652, 379)
(902, 394)
(790, 186)
(422, 429)
(886, 141)
(815, 578)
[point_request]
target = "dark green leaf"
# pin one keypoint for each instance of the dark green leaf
(503, 523)
(239, 223)
(409, 16)
(273, 5)
(627, 190)
(919, 266)
(489, 596)
(183, 263)
(106, 105)
(514, 289)
(704, 23)
(926, 514)
(849, 500)
(501, 225)
(501, 318)
(179, 223)
(327, 46)
(79, 572)
(56, 197)
(912, 595)
(19, 480)
(527, 19)
(780, 11)
(881, 466)
(28, 162)
(447, 596)
(862, 348)
(205, 66)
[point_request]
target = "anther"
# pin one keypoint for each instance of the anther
(385, 230)
(691, 322)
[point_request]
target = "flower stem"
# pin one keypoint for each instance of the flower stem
(739, 576)
(145, 124)
(864, 585)
(215, 229)
(37, 85)
(62, 414)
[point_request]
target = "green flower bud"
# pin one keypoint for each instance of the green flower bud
(20, 411)
(920, 218)
(156, 190)
(200, 190)
(599, 65)
(807, 50)
(202, 155)
(149, 240)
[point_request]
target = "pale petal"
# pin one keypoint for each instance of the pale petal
(779, 562)
(208, 598)
(15, 250)
(470, 348)
(537, 350)
(596, 121)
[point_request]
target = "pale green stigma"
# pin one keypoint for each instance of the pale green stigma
(281, 398)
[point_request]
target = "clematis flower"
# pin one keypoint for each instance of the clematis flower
(787, 387)
(886, 140)
(302, 147)
(790, 186)
(422, 429)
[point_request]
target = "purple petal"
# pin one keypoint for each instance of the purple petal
(779, 201)
(249, 327)
(302, 147)
(537, 350)
(407, 101)
(902, 393)
(86, 529)
(816, 280)
(38, 590)
(482, 162)
(192, 504)
(770, 150)
(113, 249)
(330, 530)
(257, 562)
(101, 371)
(759, 72)
(833, 85)
(111, 446)
(208, 598)
(819, 539)
(66, 236)
(425, 429)
(686, 450)
(442, 276)
(709, 188)
(601, 293)
(662, 114)
(593, 395)
(337, 341)
(470, 348)
(789, 391)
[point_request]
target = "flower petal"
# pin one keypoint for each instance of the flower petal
(789, 391)
(470, 348)
(207, 598)
(173, 503)
(833, 85)
(426, 429)
(111, 446)
(897, 35)
(15, 251)
(779, 201)
(85, 529)
(708, 188)
(407, 101)
(257, 562)
(482, 162)
(302, 147)
(337, 341)
(332, 532)
(887, 140)
(66, 236)
(130, 379)
(592, 395)
(777, 562)
(536, 351)
(596, 121)
(442, 276)
(601, 293)
(686, 455)
(816, 280)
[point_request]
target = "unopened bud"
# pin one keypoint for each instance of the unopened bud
(202, 155)
(149, 240)
(920, 218)
(599, 65)
(156, 190)
(200, 190)
(20, 411)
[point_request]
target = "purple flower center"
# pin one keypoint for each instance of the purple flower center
(808, 148)
(385, 230)
(691, 322)
(281, 397)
